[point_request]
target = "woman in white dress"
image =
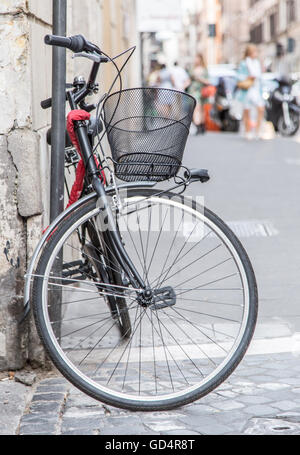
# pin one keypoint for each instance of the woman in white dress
(250, 92)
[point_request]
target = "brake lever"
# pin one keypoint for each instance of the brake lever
(94, 57)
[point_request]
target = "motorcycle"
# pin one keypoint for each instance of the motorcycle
(222, 113)
(282, 108)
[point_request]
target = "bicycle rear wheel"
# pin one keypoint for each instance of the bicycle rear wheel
(187, 336)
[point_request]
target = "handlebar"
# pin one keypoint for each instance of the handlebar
(46, 104)
(83, 48)
(76, 43)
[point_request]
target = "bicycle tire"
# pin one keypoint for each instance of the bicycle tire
(166, 402)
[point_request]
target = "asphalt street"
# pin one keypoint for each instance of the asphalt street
(256, 183)
(254, 187)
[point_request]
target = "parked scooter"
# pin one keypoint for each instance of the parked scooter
(282, 108)
(221, 112)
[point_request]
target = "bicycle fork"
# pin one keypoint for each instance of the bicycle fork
(105, 220)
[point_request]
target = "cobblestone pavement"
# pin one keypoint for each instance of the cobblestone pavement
(261, 397)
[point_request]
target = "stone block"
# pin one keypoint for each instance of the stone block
(42, 10)
(23, 146)
(10, 6)
(15, 86)
(41, 73)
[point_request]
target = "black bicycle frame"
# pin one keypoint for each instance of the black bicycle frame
(105, 219)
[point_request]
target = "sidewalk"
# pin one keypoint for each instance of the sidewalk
(261, 397)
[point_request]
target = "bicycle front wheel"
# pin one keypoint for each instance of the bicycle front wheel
(188, 333)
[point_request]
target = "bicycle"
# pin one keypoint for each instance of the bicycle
(144, 299)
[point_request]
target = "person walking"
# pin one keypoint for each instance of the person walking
(181, 79)
(250, 92)
(153, 75)
(199, 78)
(164, 77)
(165, 81)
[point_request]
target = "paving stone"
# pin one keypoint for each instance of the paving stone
(48, 397)
(227, 394)
(84, 412)
(245, 390)
(70, 423)
(214, 430)
(128, 424)
(290, 381)
(131, 419)
(260, 410)
(225, 386)
(37, 418)
(195, 422)
(45, 408)
(229, 417)
(165, 425)
(201, 409)
(54, 381)
(126, 430)
(284, 405)
(290, 416)
(26, 378)
(42, 428)
(80, 432)
(271, 427)
(230, 405)
(273, 386)
(261, 378)
(51, 388)
(211, 398)
(83, 401)
(255, 399)
(164, 415)
(181, 433)
(281, 395)
(248, 373)
(13, 401)
(281, 374)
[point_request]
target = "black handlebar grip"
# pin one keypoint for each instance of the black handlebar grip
(46, 104)
(75, 43)
(60, 41)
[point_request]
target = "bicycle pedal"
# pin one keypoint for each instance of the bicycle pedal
(164, 298)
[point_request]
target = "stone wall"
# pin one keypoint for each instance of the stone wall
(25, 79)
(21, 201)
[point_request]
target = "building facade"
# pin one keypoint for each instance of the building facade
(235, 30)
(25, 80)
(274, 26)
(201, 31)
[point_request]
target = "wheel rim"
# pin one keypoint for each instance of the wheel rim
(174, 351)
(284, 129)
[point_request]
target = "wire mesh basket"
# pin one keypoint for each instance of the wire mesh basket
(147, 130)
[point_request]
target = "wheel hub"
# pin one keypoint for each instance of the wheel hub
(157, 299)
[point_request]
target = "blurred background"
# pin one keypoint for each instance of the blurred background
(220, 30)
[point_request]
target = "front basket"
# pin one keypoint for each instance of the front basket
(147, 130)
